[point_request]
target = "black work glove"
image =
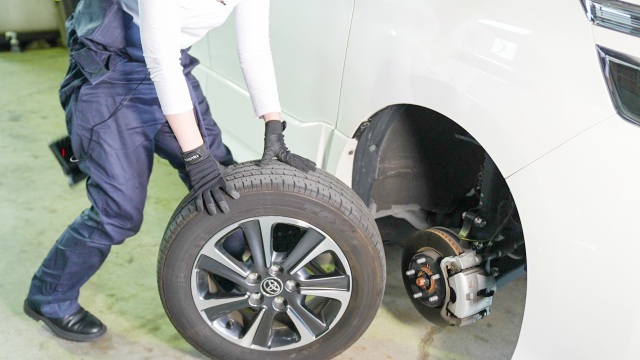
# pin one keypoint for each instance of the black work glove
(274, 147)
(207, 181)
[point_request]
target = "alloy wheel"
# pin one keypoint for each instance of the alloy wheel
(289, 288)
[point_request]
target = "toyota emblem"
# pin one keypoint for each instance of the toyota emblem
(271, 286)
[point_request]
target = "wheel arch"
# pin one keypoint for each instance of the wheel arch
(448, 149)
(415, 163)
(407, 152)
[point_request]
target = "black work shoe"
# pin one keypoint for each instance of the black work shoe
(79, 326)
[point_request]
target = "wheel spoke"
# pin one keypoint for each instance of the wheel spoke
(266, 230)
(264, 331)
(250, 333)
(203, 304)
(301, 254)
(253, 233)
(214, 308)
(213, 251)
(335, 283)
(342, 296)
(221, 269)
(308, 324)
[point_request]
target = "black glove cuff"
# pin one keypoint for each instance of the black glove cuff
(274, 127)
(196, 155)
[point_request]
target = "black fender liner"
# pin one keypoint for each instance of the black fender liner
(407, 154)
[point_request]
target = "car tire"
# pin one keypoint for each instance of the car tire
(315, 198)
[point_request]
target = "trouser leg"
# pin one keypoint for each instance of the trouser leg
(118, 163)
(55, 287)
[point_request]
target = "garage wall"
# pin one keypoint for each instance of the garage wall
(27, 16)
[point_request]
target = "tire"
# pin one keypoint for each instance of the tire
(277, 190)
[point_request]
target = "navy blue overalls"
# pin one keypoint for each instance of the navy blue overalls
(107, 67)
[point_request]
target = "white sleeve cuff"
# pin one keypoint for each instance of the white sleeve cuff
(263, 106)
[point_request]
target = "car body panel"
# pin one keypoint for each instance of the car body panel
(309, 42)
(579, 207)
(244, 134)
(340, 156)
(503, 70)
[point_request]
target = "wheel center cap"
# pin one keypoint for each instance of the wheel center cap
(271, 286)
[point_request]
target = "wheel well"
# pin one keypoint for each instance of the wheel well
(416, 164)
(412, 157)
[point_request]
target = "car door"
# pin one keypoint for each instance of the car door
(309, 42)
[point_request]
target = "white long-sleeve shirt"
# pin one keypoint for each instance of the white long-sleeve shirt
(167, 26)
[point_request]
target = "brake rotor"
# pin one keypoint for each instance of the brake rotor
(421, 273)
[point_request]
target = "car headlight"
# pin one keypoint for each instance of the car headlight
(622, 73)
(615, 15)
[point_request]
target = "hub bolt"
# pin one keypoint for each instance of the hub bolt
(422, 282)
(434, 298)
(417, 295)
(291, 285)
(275, 269)
(410, 272)
(255, 299)
(435, 276)
(253, 278)
(278, 303)
(421, 261)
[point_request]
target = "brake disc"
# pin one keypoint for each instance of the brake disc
(421, 273)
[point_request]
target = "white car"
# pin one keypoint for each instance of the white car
(401, 100)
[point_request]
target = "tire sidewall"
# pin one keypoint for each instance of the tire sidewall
(360, 251)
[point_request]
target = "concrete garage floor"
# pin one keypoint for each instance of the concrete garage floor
(36, 205)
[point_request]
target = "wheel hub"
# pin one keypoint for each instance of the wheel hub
(425, 279)
(422, 275)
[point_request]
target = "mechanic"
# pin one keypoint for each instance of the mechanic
(128, 93)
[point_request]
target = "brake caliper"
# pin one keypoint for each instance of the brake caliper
(469, 290)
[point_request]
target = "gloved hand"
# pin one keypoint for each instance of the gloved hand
(274, 147)
(207, 181)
